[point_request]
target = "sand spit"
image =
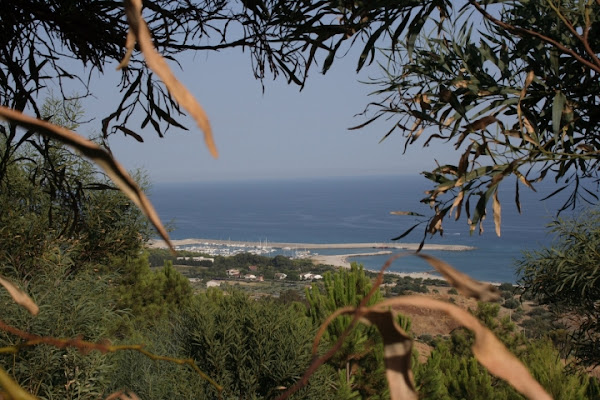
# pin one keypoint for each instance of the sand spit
(343, 261)
(311, 246)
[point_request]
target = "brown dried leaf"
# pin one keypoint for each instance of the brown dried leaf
(448, 121)
(528, 80)
(497, 213)
(397, 354)
(129, 45)
(416, 135)
(524, 180)
(424, 102)
(20, 297)
(435, 224)
(490, 352)
(157, 63)
(586, 148)
(406, 213)
(481, 219)
(481, 123)
(530, 129)
(522, 118)
(463, 282)
(121, 395)
(463, 162)
(113, 169)
(457, 204)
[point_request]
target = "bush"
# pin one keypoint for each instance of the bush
(251, 347)
(69, 306)
(405, 285)
(427, 339)
(507, 295)
(539, 312)
(511, 303)
(506, 287)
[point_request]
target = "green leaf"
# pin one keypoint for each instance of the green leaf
(558, 106)
(406, 232)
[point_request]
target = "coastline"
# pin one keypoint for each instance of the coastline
(344, 262)
(160, 244)
(337, 260)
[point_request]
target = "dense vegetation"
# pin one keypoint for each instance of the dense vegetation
(518, 98)
(565, 276)
(252, 346)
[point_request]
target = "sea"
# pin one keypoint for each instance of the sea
(358, 210)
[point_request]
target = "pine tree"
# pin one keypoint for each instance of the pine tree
(360, 359)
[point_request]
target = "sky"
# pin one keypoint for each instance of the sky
(282, 133)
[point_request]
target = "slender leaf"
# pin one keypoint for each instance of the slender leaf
(558, 106)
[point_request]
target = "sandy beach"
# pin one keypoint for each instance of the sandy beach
(339, 260)
(312, 246)
(344, 262)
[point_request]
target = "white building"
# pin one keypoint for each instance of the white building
(200, 258)
(308, 276)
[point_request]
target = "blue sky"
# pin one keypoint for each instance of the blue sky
(281, 133)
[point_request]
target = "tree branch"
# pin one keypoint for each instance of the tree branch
(525, 32)
(582, 39)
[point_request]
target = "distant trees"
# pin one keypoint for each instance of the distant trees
(565, 277)
(265, 266)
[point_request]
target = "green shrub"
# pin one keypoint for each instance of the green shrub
(70, 306)
(511, 303)
(251, 347)
(506, 287)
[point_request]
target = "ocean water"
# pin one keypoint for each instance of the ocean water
(354, 210)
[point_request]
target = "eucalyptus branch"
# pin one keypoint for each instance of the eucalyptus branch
(527, 32)
(582, 39)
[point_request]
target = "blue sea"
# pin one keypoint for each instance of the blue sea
(355, 210)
